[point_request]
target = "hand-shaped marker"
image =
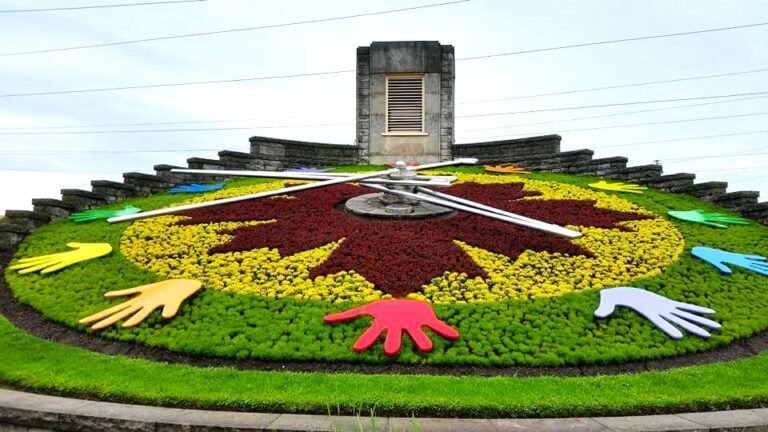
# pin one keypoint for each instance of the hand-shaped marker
(91, 215)
(719, 258)
(196, 188)
(658, 309)
(710, 219)
(618, 187)
(396, 316)
(509, 169)
(169, 295)
(51, 263)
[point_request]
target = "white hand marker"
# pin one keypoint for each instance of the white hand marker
(660, 310)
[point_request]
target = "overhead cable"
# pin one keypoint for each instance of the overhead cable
(104, 6)
(614, 41)
(236, 30)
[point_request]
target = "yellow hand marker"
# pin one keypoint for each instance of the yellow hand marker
(507, 169)
(168, 294)
(618, 187)
(51, 263)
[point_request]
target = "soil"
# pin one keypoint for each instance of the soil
(34, 323)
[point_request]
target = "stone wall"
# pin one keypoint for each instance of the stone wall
(447, 93)
(536, 153)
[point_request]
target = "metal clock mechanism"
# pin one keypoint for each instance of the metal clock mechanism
(397, 193)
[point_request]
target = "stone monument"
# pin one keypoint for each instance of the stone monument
(405, 108)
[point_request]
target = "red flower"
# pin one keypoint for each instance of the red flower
(399, 256)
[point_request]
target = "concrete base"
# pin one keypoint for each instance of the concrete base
(372, 205)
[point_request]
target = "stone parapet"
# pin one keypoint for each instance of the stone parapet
(512, 150)
(676, 183)
(737, 200)
(118, 191)
(83, 199)
(707, 191)
(146, 184)
(53, 208)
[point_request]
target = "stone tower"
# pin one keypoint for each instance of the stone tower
(405, 109)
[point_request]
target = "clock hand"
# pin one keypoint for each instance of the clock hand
(329, 182)
(555, 229)
(482, 210)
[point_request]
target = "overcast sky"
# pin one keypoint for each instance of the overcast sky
(40, 154)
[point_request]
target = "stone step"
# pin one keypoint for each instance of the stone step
(707, 191)
(758, 212)
(737, 200)
(119, 191)
(146, 184)
(669, 183)
(240, 160)
(53, 208)
(604, 167)
(25, 220)
(203, 163)
(83, 199)
(640, 172)
(566, 162)
(10, 236)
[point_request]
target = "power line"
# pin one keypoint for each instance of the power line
(36, 152)
(161, 123)
(613, 41)
(612, 115)
(630, 125)
(174, 130)
(244, 29)
(696, 138)
(178, 84)
(646, 83)
(492, 114)
(101, 6)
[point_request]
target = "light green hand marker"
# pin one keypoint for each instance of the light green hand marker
(92, 215)
(711, 219)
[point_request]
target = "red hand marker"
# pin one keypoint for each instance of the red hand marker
(396, 316)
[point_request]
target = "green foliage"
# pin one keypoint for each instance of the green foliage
(32, 363)
(545, 332)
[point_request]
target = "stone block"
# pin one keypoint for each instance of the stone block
(53, 208)
(83, 199)
(9, 236)
(669, 183)
(758, 212)
(203, 163)
(707, 191)
(604, 167)
(737, 200)
(147, 184)
(640, 172)
(24, 220)
(118, 191)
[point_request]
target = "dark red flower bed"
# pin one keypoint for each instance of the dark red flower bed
(400, 256)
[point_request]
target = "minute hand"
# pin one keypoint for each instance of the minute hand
(534, 223)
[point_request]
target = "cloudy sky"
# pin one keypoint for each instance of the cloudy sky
(54, 141)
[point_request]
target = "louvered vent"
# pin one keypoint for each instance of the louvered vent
(405, 104)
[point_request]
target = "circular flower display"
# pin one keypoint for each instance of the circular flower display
(306, 247)
(276, 272)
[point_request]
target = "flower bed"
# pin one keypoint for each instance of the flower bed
(272, 269)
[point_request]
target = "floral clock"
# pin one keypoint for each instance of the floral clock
(296, 278)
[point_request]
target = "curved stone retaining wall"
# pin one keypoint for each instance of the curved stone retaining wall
(536, 153)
